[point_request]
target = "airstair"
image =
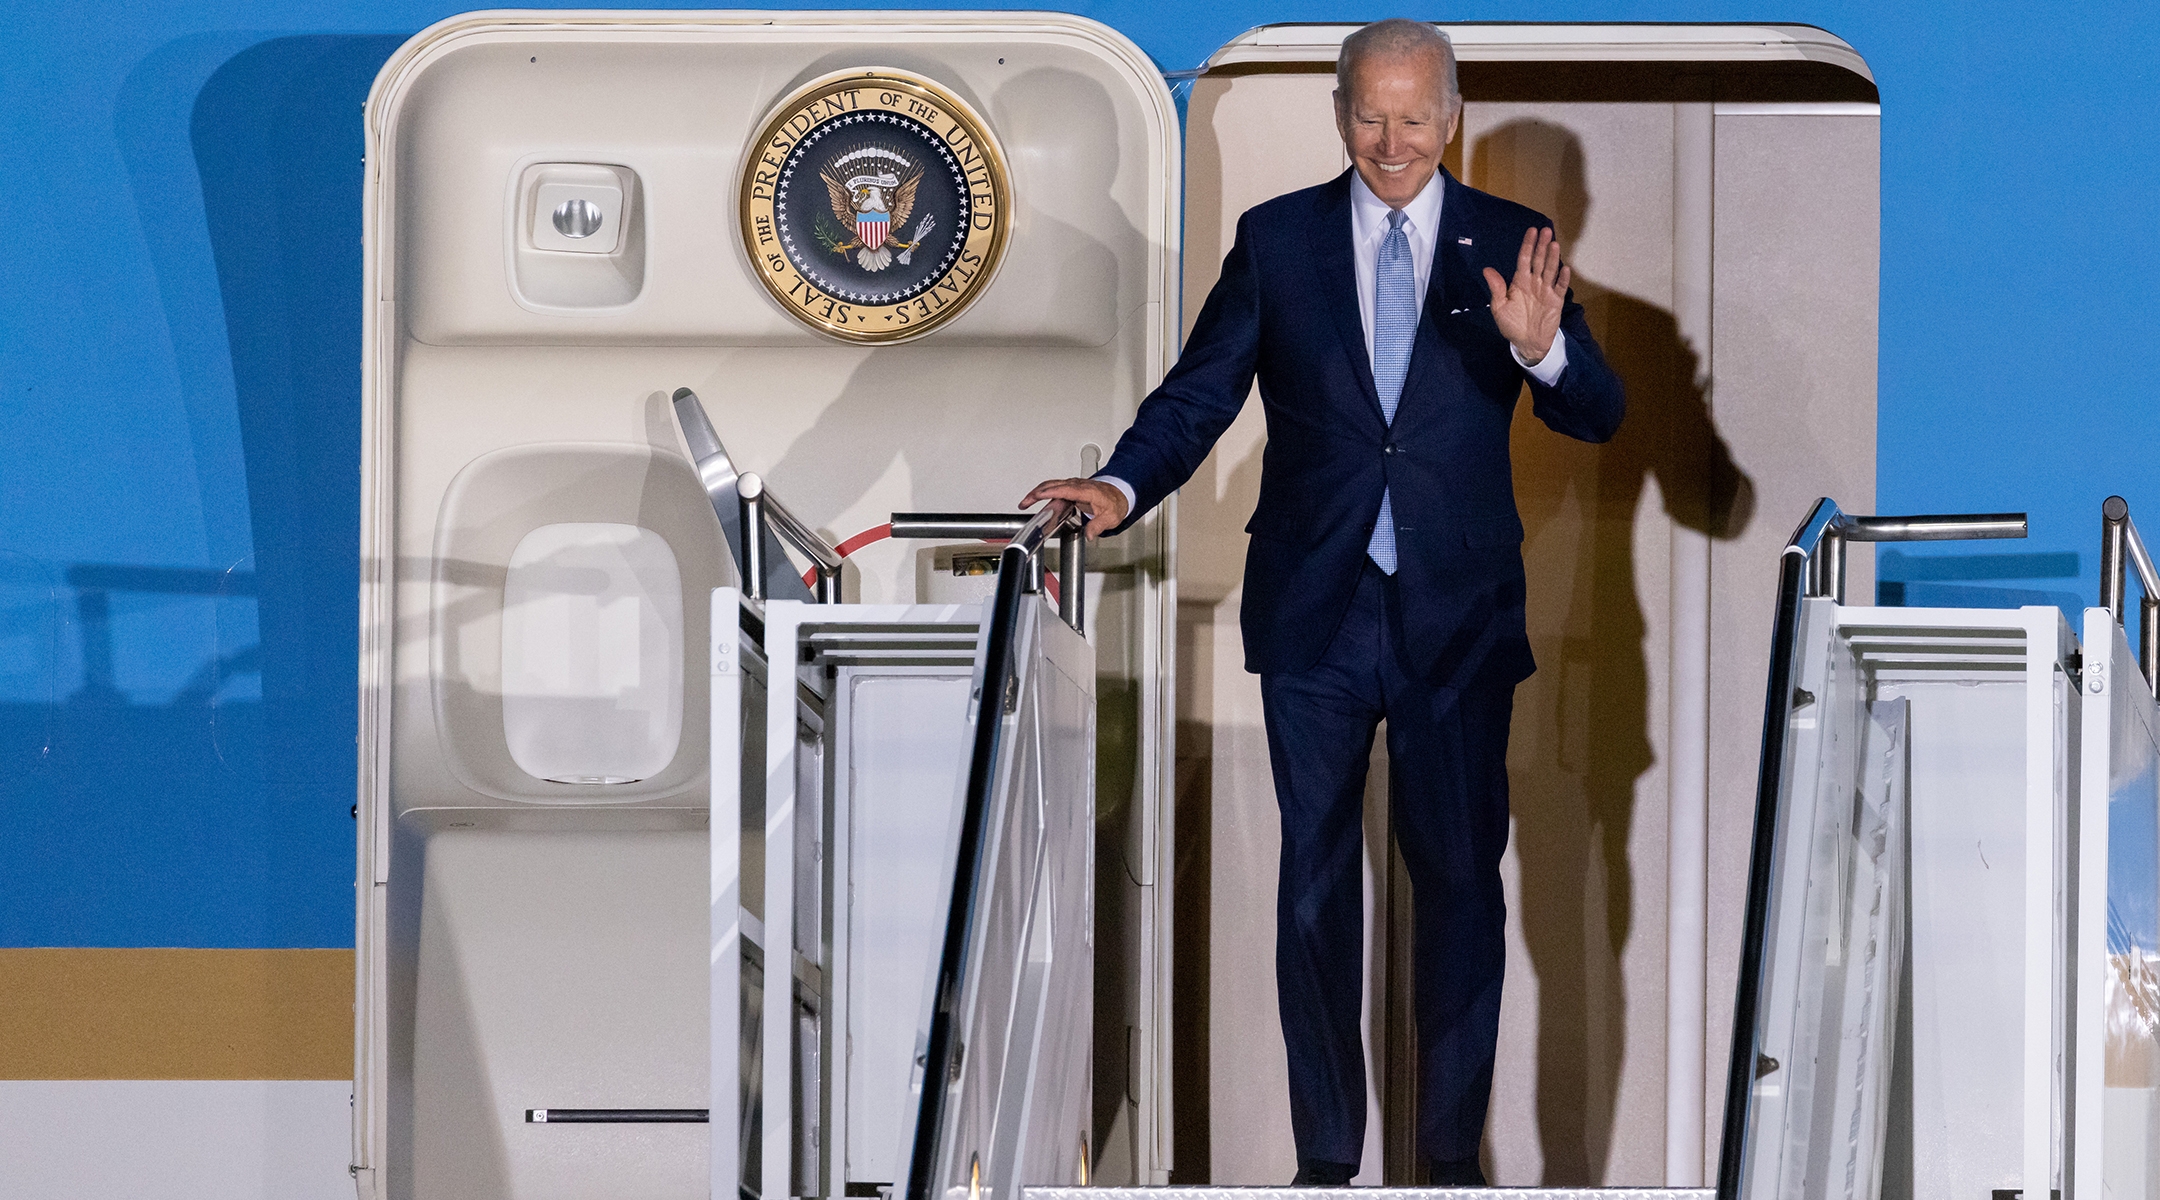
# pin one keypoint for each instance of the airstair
(1950, 975)
(1948, 985)
(903, 806)
(1947, 979)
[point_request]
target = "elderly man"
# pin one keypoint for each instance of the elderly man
(1391, 316)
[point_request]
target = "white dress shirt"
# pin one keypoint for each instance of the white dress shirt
(1369, 228)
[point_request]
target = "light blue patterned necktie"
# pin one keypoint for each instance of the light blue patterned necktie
(1395, 311)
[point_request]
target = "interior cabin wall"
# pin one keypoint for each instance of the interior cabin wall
(1750, 372)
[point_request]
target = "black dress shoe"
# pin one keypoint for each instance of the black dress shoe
(1323, 1174)
(1466, 1173)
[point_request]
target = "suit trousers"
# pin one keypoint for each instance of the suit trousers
(1447, 755)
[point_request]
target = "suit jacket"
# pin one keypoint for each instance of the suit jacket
(1286, 311)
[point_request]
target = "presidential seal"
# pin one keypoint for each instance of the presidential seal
(875, 205)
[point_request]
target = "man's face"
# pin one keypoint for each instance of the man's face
(1395, 120)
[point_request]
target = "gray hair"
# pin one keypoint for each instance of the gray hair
(1397, 37)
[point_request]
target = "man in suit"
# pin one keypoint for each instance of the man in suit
(1384, 577)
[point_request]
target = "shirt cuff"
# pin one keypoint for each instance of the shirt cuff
(1548, 368)
(1132, 499)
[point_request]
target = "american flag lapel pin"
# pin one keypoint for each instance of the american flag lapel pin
(1462, 241)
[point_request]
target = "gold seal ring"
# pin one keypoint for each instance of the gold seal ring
(875, 205)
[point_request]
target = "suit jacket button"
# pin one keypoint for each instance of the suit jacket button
(1389, 448)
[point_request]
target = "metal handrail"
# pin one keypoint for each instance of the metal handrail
(763, 512)
(2118, 533)
(716, 471)
(996, 527)
(941, 1054)
(1811, 566)
(1827, 552)
(956, 526)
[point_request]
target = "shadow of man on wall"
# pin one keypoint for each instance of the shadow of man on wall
(1583, 733)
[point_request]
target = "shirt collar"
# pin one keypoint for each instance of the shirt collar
(1369, 212)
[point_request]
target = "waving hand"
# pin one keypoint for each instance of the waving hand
(1527, 308)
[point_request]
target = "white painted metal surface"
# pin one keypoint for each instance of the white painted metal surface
(738, 715)
(1838, 958)
(1018, 1106)
(1954, 730)
(2116, 1073)
(897, 786)
(854, 802)
(175, 1139)
(855, 767)
(811, 808)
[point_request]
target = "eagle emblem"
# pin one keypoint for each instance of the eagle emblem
(875, 205)
(872, 191)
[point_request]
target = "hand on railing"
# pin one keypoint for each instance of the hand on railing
(1062, 518)
(1054, 518)
(1102, 505)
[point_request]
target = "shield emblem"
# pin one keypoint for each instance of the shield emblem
(870, 227)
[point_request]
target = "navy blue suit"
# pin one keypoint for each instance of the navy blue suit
(1435, 650)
